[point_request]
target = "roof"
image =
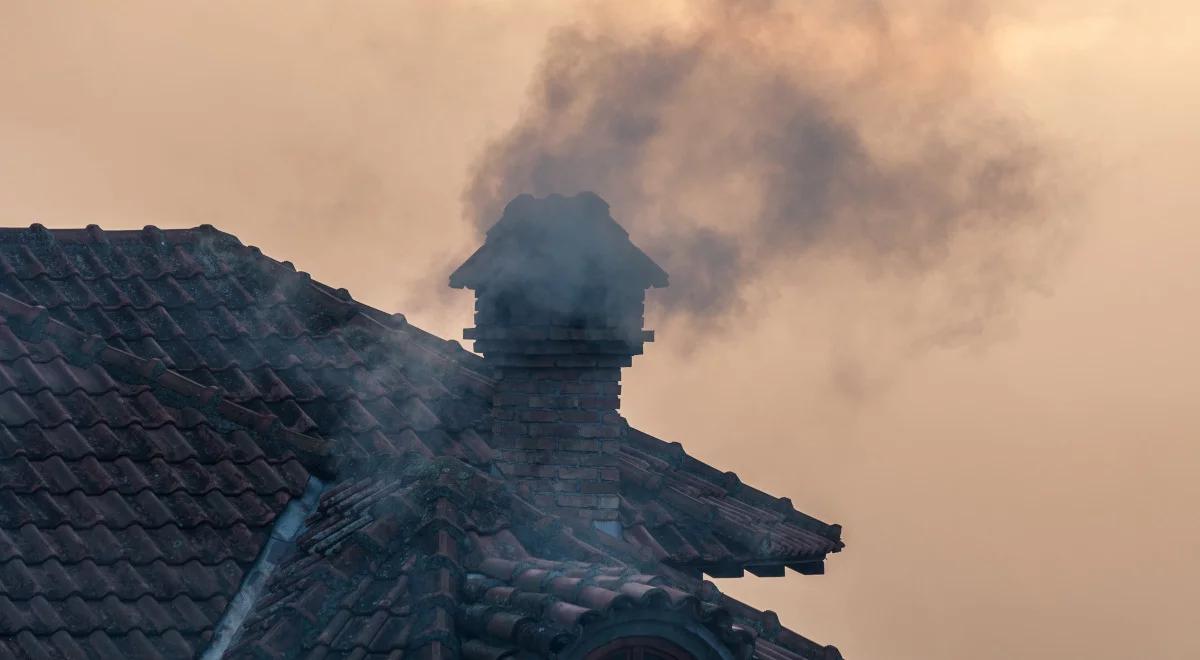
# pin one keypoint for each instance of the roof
(440, 560)
(166, 394)
(226, 316)
(131, 500)
(697, 518)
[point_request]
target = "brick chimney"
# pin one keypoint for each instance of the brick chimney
(559, 292)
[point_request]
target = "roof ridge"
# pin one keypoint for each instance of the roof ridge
(94, 233)
(34, 325)
(366, 316)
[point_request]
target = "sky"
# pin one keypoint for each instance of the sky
(1024, 489)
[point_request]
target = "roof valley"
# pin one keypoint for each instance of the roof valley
(288, 526)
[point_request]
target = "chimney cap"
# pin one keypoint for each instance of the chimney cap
(557, 237)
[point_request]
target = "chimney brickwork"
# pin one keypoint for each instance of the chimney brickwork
(558, 312)
(557, 431)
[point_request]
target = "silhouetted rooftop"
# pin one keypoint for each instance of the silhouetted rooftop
(165, 397)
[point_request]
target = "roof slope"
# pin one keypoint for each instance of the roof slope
(695, 517)
(199, 375)
(438, 560)
(277, 342)
(226, 316)
(132, 500)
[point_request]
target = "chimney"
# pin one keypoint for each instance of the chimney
(559, 292)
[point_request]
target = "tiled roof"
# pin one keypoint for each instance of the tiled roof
(165, 394)
(438, 560)
(225, 315)
(695, 517)
(131, 500)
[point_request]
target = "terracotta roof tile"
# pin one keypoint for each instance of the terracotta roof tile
(688, 514)
(387, 584)
(121, 527)
(165, 394)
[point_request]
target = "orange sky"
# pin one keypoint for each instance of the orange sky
(1029, 494)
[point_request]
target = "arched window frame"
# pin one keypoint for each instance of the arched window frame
(638, 648)
(664, 632)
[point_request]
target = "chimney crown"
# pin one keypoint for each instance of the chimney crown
(557, 242)
(558, 276)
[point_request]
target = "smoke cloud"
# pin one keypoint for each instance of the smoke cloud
(758, 137)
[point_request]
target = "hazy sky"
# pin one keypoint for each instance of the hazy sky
(1027, 491)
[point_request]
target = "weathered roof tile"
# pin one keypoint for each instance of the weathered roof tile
(165, 393)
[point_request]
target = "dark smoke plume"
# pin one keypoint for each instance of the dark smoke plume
(760, 133)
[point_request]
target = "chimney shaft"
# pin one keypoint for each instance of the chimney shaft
(558, 312)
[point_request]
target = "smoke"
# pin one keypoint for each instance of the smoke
(332, 136)
(758, 138)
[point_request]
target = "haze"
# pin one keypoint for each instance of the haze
(1025, 490)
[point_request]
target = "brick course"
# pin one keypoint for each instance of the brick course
(564, 446)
